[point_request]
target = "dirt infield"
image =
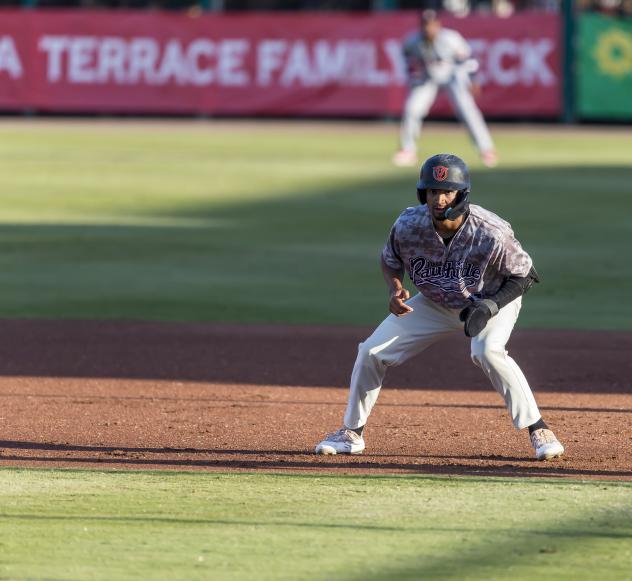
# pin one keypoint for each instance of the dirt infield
(217, 397)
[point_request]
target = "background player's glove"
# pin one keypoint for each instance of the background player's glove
(476, 315)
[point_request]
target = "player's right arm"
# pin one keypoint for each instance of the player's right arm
(393, 273)
(413, 61)
(397, 294)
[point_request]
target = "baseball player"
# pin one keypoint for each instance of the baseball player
(437, 59)
(471, 273)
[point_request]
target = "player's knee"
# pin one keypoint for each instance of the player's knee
(418, 113)
(364, 352)
(371, 354)
(411, 116)
(483, 353)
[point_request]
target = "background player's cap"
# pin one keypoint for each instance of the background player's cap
(429, 15)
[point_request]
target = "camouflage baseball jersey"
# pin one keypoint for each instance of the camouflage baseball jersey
(479, 257)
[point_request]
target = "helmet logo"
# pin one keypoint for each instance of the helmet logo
(440, 172)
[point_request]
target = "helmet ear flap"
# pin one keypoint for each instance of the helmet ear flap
(421, 195)
(460, 207)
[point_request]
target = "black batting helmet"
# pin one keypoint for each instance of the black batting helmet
(445, 171)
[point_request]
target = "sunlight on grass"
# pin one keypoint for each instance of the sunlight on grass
(203, 214)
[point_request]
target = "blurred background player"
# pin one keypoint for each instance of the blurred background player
(438, 58)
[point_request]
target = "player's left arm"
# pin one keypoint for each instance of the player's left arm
(513, 263)
(465, 61)
(476, 315)
(460, 48)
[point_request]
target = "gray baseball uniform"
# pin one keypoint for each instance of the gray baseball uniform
(443, 64)
(482, 253)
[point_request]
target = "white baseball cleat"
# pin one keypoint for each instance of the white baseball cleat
(342, 441)
(546, 445)
(405, 158)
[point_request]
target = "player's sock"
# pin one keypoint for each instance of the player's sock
(357, 430)
(538, 426)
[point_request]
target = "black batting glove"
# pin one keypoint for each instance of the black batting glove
(476, 315)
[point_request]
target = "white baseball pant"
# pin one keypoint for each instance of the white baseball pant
(397, 339)
(421, 99)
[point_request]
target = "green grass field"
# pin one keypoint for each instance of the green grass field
(282, 223)
(100, 525)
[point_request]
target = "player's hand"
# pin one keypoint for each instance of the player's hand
(396, 304)
(475, 89)
(476, 315)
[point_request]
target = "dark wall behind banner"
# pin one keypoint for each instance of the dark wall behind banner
(462, 7)
(260, 64)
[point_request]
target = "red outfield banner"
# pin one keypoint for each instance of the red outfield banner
(260, 64)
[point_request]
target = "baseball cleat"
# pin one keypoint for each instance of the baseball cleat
(546, 445)
(405, 158)
(342, 441)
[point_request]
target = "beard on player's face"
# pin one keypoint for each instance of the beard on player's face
(438, 201)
